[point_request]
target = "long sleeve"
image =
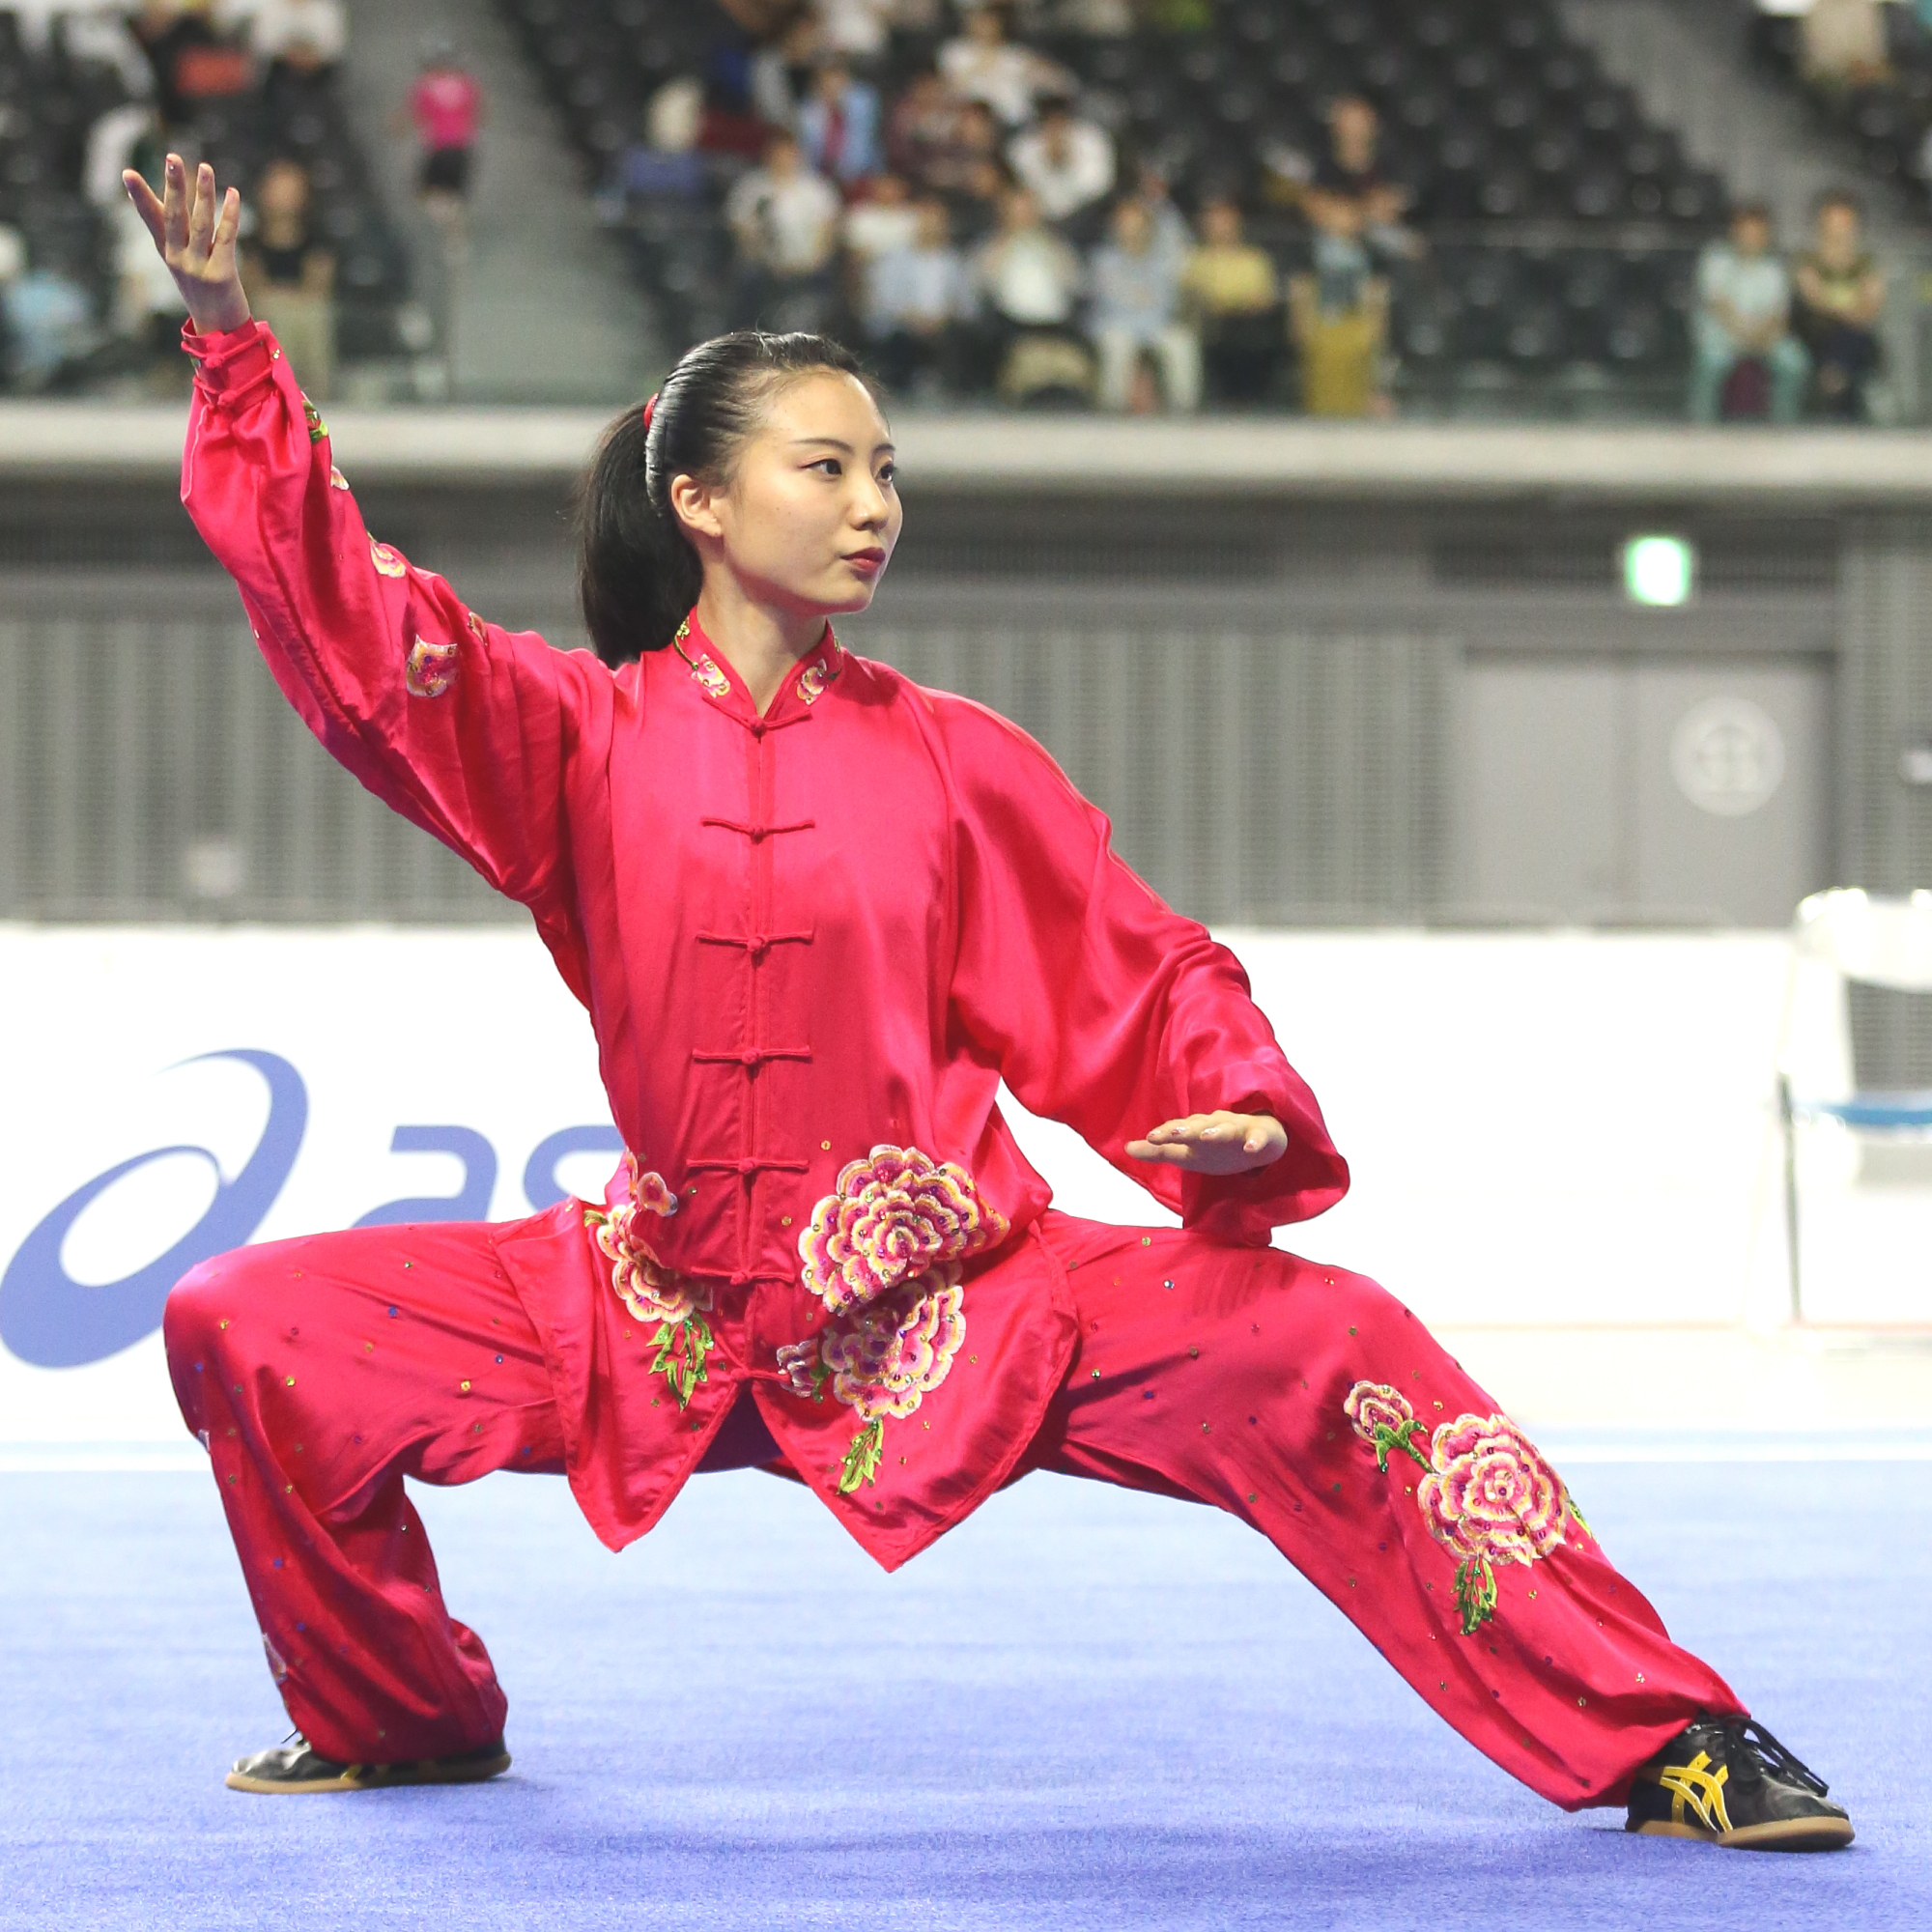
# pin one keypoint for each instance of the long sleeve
(1102, 1008)
(461, 726)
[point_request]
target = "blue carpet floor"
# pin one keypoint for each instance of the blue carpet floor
(1083, 1710)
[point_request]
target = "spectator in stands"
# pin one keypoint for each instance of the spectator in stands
(967, 167)
(1338, 314)
(880, 219)
(861, 30)
(667, 164)
(190, 60)
(919, 304)
(1172, 231)
(125, 136)
(976, 207)
(302, 43)
(309, 36)
(922, 130)
(1030, 284)
(47, 318)
(1740, 334)
(1136, 314)
(983, 65)
(291, 275)
(1351, 170)
(975, 141)
(1066, 161)
(1232, 296)
(1841, 298)
(838, 126)
(92, 33)
(447, 108)
(781, 69)
(1842, 44)
(786, 220)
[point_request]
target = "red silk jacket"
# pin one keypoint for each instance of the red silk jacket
(811, 945)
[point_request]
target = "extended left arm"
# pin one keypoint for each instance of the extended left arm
(1105, 1010)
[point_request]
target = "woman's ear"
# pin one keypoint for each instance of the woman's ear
(694, 505)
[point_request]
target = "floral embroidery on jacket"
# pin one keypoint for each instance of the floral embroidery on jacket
(883, 1362)
(317, 428)
(653, 1292)
(387, 560)
(336, 479)
(813, 678)
(893, 1214)
(431, 669)
(477, 628)
(1488, 1493)
(711, 677)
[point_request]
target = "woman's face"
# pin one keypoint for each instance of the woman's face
(811, 513)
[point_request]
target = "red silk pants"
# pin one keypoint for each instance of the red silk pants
(1215, 1374)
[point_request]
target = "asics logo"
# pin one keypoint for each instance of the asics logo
(1696, 1785)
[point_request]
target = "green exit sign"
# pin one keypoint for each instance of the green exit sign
(1660, 570)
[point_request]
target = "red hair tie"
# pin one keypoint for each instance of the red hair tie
(648, 408)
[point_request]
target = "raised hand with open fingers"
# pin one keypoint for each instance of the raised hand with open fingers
(195, 237)
(1218, 1143)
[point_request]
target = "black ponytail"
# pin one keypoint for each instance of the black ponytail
(638, 575)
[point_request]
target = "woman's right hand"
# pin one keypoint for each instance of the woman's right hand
(196, 243)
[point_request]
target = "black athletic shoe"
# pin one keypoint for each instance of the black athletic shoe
(1729, 1781)
(295, 1765)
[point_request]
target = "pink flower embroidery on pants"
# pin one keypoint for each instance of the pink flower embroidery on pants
(894, 1215)
(1488, 1493)
(1384, 1419)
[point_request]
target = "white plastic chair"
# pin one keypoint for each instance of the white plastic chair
(1841, 937)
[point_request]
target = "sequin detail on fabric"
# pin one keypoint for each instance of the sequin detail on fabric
(882, 1363)
(431, 669)
(1488, 1493)
(893, 1214)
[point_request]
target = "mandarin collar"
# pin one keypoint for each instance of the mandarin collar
(804, 686)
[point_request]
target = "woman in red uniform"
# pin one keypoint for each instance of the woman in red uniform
(815, 914)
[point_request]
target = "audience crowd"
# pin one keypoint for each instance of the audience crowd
(983, 232)
(973, 217)
(1770, 334)
(976, 222)
(249, 85)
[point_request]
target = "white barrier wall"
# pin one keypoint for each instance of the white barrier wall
(1560, 1129)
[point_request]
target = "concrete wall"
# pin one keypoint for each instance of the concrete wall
(1315, 680)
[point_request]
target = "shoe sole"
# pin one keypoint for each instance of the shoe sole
(375, 1776)
(1781, 1834)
